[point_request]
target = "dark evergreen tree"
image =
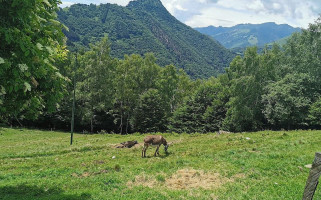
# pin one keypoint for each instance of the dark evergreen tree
(149, 115)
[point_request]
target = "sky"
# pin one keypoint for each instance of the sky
(227, 13)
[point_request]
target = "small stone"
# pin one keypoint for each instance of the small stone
(309, 166)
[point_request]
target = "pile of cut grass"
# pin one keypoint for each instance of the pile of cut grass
(264, 165)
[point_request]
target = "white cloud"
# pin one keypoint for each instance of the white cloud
(179, 7)
(256, 6)
(276, 6)
(66, 4)
(231, 12)
(231, 4)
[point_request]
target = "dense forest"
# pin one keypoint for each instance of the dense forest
(145, 26)
(277, 89)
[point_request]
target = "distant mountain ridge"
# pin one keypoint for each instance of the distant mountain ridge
(145, 26)
(244, 35)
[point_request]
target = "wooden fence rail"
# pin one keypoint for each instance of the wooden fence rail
(313, 179)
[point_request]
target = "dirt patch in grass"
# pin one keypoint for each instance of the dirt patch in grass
(20, 158)
(239, 176)
(184, 179)
(99, 162)
(143, 180)
(190, 178)
(88, 174)
(175, 141)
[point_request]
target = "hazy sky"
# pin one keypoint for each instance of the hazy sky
(200, 13)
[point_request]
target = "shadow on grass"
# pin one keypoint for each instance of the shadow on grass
(22, 192)
(160, 156)
(55, 153)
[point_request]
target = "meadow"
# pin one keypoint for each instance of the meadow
(37, 164)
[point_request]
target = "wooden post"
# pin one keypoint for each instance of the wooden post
(313, 178)
(73, 103)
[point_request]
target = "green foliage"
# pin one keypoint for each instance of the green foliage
(133, 94)
(140, 80)
(286, 102)
(95, 81)
(216, 112)
(204, 110)
(249, 75)
(315, 113)
(142, 27)
(275, 89)
(167, 84)
(127, 89)
(149, 115)
(31, 48)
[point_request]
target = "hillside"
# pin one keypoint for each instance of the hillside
(265, 165)
(145, 26)
(244, 35)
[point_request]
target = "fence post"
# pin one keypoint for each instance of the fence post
(313, 178)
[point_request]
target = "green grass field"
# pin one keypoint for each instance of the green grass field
(264, 165)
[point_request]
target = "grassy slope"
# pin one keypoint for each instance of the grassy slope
(41, 165)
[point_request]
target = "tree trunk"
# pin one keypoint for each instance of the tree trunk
(18, 121)
(127, 124)
(121, 117)
(91, 125)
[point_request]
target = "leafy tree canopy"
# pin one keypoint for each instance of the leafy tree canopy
(32, 45)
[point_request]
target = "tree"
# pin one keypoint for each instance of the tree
(32, 43)
(95, 90)
(216, 112)
(167, 84)
(248, 77)
(204, 110)
(149, 115)
(302, 55)
(244, 106)
(127, 90)
(315, 113)
(286, 103)
(135, 75)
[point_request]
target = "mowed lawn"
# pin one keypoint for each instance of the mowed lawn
(38, 164)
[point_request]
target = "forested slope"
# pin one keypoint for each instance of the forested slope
(244, 35)
(145, 26)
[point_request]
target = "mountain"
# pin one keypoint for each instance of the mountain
(145, 26)
(244, 35)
